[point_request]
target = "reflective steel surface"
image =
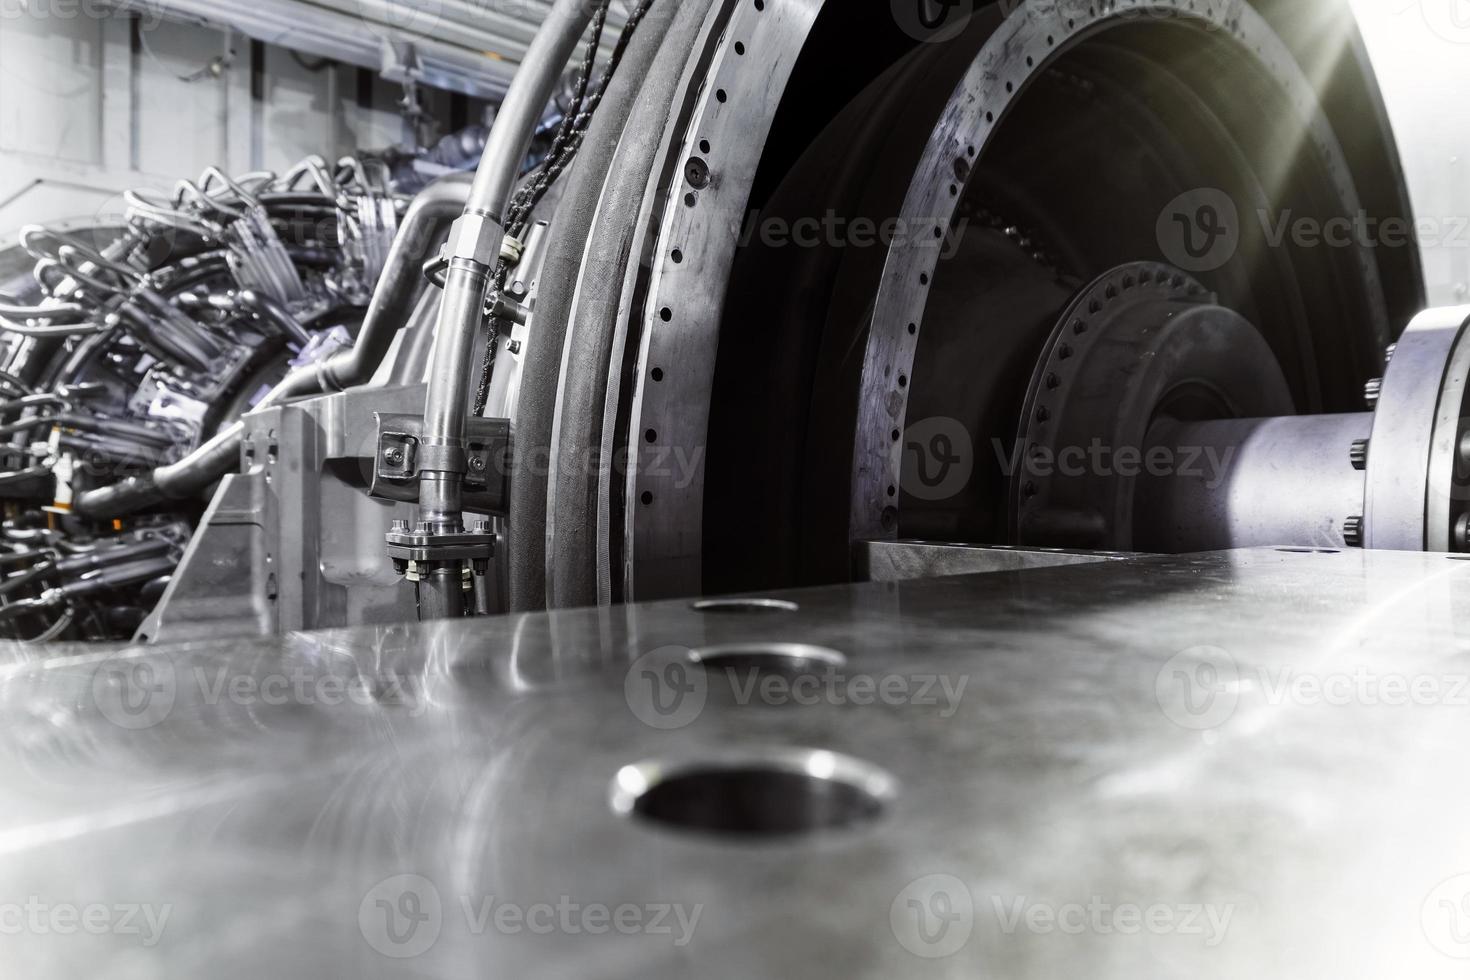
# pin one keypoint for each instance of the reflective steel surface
(1236, 765)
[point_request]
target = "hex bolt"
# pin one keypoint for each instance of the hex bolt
(1359, 454)
(400, 526)
(1388, 353)
(1352, 531)
(1371, 391)
(696, 171)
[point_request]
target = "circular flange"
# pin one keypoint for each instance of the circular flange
(1141, 343)
(1027, 44)
(1417, 486)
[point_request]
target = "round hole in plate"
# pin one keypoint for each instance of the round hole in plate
(773, 794)
(744, 606)
(788, 660)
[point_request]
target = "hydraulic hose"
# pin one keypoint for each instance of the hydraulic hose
(427, 221)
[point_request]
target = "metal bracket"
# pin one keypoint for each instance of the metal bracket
(402, 456)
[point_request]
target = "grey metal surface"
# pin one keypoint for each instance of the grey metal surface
(899, 561)
(1232, 765)
(1253, 482)
(1416, 434)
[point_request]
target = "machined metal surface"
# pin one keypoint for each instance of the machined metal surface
(1413, 454)
(1142, 344)
(1253, 482)
(1223, 765)
(713, 150)
(1027, 42)
(899, 561)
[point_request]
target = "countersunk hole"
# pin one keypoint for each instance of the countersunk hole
(787, 660)
(744, 606)
(1309, 551)
(771, 794)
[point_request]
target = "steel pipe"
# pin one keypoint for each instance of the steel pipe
(427, 221)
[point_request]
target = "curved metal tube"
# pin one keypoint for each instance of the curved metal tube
(475, 247)
(426, 222)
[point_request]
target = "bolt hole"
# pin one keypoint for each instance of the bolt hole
(768, 795)
(787, 660)
(744, 606)
(647, 498)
